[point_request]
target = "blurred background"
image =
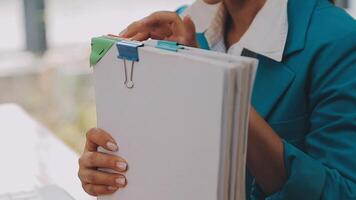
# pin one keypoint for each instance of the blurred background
(44, 49)
(44, 67)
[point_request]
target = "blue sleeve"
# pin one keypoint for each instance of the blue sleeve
(181, 9)
(326, 170)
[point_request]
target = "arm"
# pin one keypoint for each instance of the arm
(327, 169)
(265, 154)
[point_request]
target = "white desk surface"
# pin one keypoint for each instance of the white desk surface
(31, 156)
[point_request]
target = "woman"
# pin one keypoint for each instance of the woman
(302, 127)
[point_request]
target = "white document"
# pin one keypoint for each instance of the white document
(182, 127)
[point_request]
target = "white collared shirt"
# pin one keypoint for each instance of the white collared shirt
(267, 34)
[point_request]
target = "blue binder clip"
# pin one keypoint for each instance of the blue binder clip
(128, 50)
(168, 45)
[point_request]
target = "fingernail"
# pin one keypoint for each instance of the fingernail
(111, 146)
(112, 188)
(121, 165)
(121, 181)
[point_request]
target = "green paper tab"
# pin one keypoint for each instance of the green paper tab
(99, 47)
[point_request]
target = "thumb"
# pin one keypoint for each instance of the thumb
(190, 38)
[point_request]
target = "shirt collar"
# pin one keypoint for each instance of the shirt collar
(267, 35)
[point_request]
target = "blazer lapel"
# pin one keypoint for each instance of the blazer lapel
(299, 17)
(274, 78)
(272, 81)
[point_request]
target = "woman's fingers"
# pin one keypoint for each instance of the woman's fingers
(102, 160)
(190, 37)
(158, 33)
(98, 137)
(94, 181)
(157, 25)
(161, 33)
(97, 190)
(96, 177)
(131, 30)
(163, 25)
(141, 36)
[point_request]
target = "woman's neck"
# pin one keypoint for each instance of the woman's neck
(240, 14)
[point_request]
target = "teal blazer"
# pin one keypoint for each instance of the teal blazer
(309, 99)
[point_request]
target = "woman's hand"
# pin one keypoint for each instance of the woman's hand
(94, 181)
(163, 25)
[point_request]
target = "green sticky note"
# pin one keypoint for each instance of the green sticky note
(99, 47)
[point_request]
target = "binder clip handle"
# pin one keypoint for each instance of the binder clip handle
(128, 50)
(129, 80)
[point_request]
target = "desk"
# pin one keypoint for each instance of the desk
(31, 156)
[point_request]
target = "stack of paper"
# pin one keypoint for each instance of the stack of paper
(179, 115)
